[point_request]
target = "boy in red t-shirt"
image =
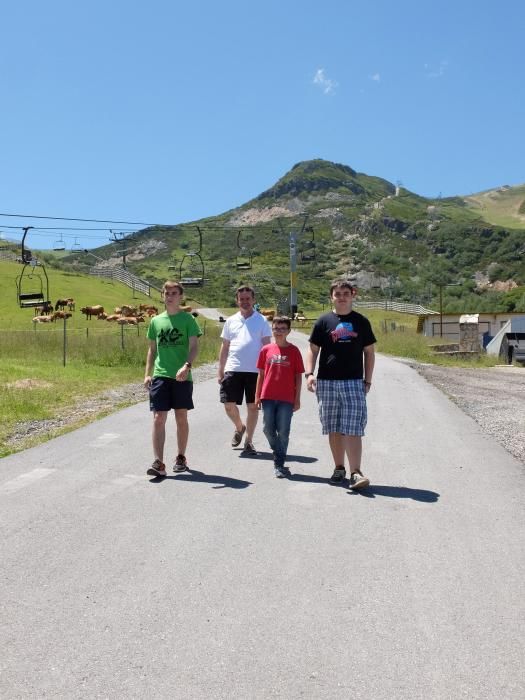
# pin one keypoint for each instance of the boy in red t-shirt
(278, 390)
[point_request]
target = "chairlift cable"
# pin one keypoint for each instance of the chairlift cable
(93, 221)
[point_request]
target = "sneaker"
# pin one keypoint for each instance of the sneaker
(249, 449)
(338, 476)
(358, 481)
(181, 464)
(158, 468)
(279, 472)
(237, 436)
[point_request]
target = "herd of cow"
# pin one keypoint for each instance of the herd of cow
(123, 315)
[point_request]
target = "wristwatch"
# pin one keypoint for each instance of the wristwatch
(308, 374)
(188, 364)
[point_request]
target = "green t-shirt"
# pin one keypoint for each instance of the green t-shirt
(172, 334)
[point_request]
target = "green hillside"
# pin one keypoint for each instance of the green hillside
(393, 242)
(504, 206)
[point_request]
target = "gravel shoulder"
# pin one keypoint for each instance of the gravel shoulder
(493, 397)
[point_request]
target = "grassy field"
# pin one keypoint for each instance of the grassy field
(501, 207)
(37, 385)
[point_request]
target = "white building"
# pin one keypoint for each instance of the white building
(489, 325)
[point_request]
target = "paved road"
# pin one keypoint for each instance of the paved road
(229, 583)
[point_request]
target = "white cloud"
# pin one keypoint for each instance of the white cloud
(327, 85)
(438, 72)
(376, 77)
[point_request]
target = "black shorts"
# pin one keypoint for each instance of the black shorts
(237, 385)
(166, 393)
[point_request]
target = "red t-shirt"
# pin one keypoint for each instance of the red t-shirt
(280, 366)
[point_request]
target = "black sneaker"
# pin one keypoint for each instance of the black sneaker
(158, 468)
(181, 464)
(358, 481)
(249, 449)
(338, 476)
(280, 472)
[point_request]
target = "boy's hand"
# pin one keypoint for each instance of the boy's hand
(310, 383)
(182, 374)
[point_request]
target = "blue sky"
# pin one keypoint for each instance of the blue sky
(167, 111)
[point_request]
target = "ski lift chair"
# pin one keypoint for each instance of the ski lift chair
(30, 288)
(59, 244)
(191, 272)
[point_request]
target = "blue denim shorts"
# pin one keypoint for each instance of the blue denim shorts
(342, 406)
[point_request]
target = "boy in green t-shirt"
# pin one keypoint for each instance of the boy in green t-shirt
(173, 345)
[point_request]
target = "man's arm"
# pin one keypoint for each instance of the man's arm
(258, 388)
(193, 349)
(370, 359)
(223, 356)
(150, 361)
(309, 365)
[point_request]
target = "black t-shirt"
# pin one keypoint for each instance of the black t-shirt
(341, 339)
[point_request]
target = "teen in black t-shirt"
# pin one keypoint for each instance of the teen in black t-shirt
(344, 341)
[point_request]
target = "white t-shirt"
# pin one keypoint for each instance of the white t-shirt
(245, 336)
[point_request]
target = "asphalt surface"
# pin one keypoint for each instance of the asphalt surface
(225, 582)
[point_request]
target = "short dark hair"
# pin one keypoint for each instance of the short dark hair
(342, 284)
(171, 283)
(245, 288)
(284, 320)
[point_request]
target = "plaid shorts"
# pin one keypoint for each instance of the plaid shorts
(342, 406)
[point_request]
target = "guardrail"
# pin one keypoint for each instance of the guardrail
(126, 277)
(389, 305)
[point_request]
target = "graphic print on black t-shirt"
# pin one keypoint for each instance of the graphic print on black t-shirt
(343, 332)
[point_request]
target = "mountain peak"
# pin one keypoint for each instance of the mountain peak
(319, 177)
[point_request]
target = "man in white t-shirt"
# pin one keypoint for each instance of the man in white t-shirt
(243, 336)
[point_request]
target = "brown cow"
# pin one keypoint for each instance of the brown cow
(43, 319)
(46, 308)
(90, 311)
(149, 309)
(128, 320)
(113, 317)
(128, 310)
(268, 313)
(61, 314)
(62, 303)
